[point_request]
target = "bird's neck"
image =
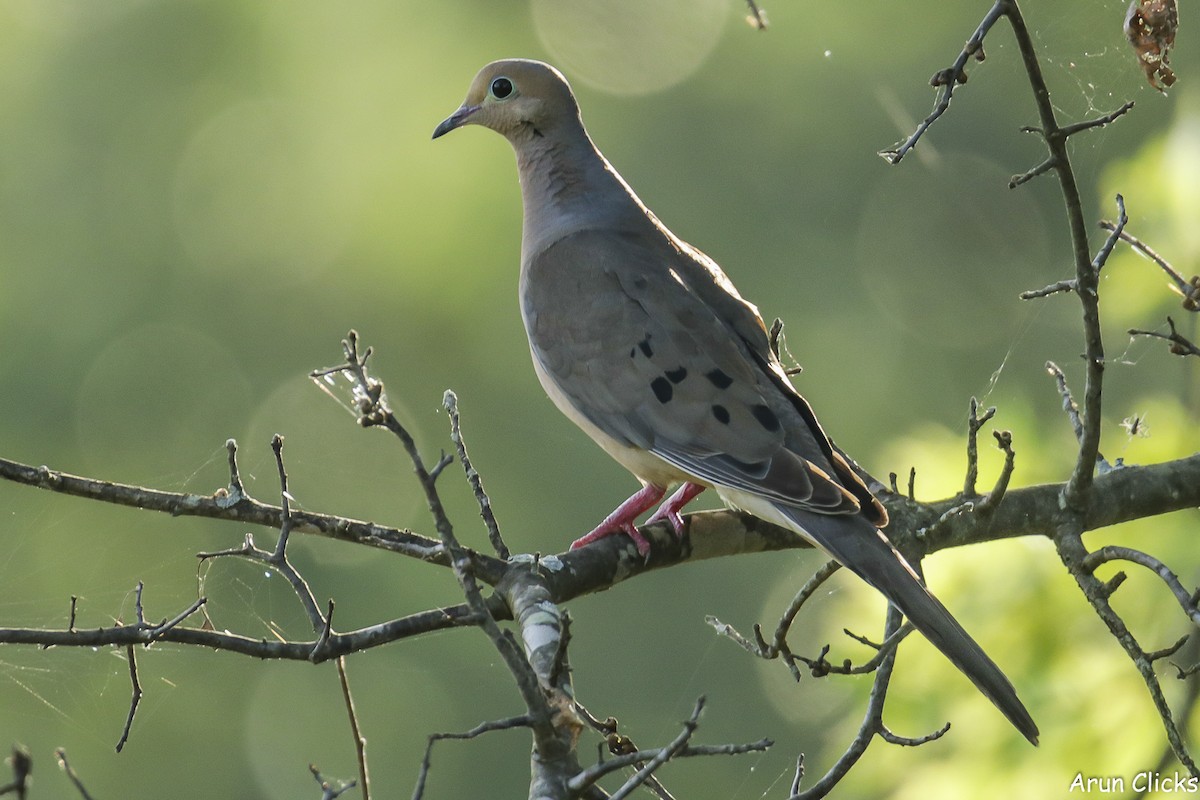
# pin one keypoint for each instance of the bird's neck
(568, 186)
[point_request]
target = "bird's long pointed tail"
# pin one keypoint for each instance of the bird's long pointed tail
(860, 547)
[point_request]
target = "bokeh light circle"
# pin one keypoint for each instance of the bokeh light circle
(630, 47)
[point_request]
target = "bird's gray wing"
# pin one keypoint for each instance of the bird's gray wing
(654, 348)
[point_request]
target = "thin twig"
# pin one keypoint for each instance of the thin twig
(329, 791)
(823, 573)
(871, 726)
(61, 756)
(974, 423)
(450, 403)
(1180, 345)
(947, 80)
(1046, 291)
(1098, 122)
(236, 491)
(1068, 402)
(21, 763)
(360, 741)
(1109, 553)
(158, 630)
(820, 666)
(1189, 290)
(988, 504)
(134, 700)
(757, 17)
(246, 511)
(1074, 555)
(1114, 236)
(521, 721)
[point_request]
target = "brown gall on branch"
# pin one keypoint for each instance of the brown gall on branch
(1150, 27)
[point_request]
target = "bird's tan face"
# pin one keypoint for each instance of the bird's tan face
(513, 97)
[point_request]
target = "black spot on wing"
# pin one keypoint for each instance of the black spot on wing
(766, 417)
(662, 389)
(721, 413)
(676, 375)
(644, 346)
(719, 379)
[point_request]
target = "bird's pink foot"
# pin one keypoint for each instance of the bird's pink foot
(671, 508)
(621, 520)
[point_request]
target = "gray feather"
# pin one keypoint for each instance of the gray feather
(863, 549)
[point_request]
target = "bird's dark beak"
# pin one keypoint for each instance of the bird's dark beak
(455, 120)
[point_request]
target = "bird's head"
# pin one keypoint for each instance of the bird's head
(517, 98)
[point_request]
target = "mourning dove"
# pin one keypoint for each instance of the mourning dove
(645, 344)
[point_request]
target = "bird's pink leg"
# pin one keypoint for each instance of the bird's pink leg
(621, 520)
(670, 509)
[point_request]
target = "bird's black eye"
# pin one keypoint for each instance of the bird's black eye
(501, 88)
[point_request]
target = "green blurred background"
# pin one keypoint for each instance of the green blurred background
(198, 200)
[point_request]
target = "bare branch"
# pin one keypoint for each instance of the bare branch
(329, 791)
(1189, 290)
(1180, 345)
(134, 700)
(508, 723)
(757, 17)
(221, 505)
(946, 80)
(1046, 291)
(1098, 122)
(664, 755)
(1074, 555)
(871, 726)
(988, 504)
(61, 755)
(1025, 177)
(974, 423)
(450, 403)
(360, 741)
(1186, 600)
(21, 763)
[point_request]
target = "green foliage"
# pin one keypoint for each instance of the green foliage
(198, 199)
